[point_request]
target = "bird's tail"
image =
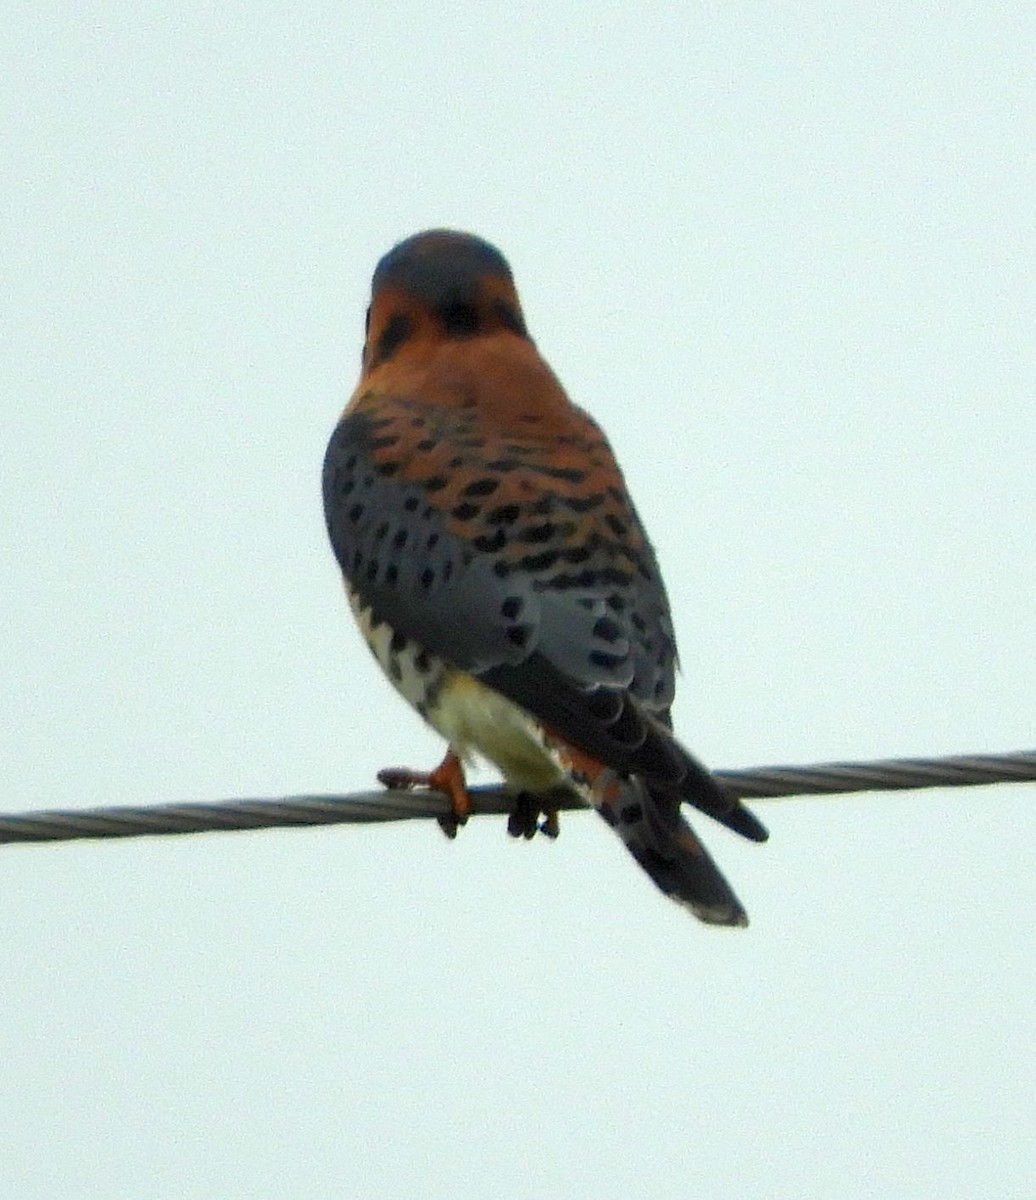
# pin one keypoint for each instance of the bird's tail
(649, 821)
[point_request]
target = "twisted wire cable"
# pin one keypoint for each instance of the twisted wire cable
(757, 783)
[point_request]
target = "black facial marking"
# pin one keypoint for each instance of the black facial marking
(397, 329)
(509, 318)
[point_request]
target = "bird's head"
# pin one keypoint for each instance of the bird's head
(439, 285)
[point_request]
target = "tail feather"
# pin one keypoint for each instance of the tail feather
(648, 819)
(664, 844)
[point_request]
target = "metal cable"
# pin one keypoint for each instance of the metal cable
(759, 783)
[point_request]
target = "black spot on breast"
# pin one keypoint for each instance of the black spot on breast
(355, 513)
(539, 562)
(518, 635)
(465, 511)
(584, 503)
(426, 444)
(392, 575)
(411, 504)
(503, 464)
(381, 531)
(617, 526)
(512, 607)
(576, 555)
(435, 483)
(615, 576)
(568, 474)
(538, 533)
(481, 487)
(422, 662)
(607, 662)
(383, 443)
(386, 469)
(398, 643)
(432, 542)
(399, 541)
(506, 514)
(579, 579)
(491, 543)
(427, 578)
(607, 630)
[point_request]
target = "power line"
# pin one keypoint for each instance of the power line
(759, 783)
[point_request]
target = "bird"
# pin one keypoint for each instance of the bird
(502, 577)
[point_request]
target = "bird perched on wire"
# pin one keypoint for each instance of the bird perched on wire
(500, 574)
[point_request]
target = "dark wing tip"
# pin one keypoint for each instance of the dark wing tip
(743, 821)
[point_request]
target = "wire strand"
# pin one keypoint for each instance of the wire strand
(758, 783)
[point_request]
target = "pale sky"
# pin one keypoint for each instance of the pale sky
(784, 254)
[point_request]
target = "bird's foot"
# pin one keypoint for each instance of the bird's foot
(448, 778)
(524, 819)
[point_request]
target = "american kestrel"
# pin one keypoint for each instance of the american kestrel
(500, 574)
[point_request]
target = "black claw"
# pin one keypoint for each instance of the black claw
(448, 824)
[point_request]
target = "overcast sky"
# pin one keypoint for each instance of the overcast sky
(784, 253)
